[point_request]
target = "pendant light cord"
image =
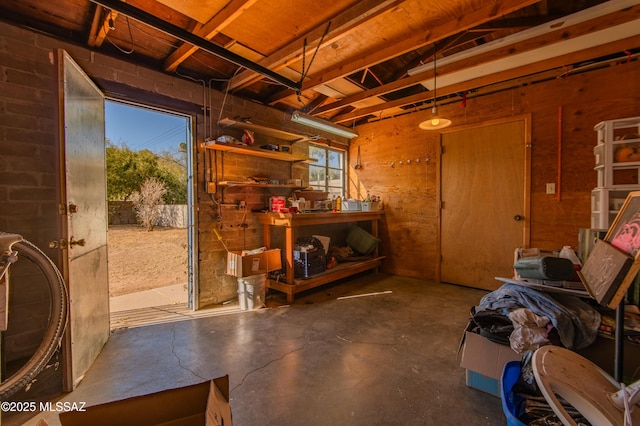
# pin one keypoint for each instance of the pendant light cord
(435, 73)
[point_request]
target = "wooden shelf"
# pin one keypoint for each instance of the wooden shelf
(263, 130)
(290, 222)
(263, 153)
(342, 270)
(229, 183)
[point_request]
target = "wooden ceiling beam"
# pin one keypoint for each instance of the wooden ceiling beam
(491, 79)
(550, 38)
(232, 11)
(431, 35)
(100, 25)
(341, 26)
(394, 49)
(513, 23)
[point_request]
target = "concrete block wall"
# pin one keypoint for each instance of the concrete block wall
(27, 176)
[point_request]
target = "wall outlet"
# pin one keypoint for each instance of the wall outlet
(551, 188)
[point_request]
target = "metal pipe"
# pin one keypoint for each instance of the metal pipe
(184, 35)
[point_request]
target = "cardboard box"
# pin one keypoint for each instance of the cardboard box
(205, 404)
(253, 264)
(483, 383)
(484, 361)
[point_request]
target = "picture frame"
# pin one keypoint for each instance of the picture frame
(624, 232)
(615, 261)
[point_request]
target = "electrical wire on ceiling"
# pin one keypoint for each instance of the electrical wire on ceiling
(305, 70)
(112, 27)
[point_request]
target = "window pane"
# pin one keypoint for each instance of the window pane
(317, 176)
(336, 178)
(319, 154)
(335, 159)
(328, 173)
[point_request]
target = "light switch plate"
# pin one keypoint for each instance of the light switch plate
(551, 188)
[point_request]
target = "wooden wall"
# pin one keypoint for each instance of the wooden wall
(390, 150)
(563, 113)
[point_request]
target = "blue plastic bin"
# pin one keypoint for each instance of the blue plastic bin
(510, 401)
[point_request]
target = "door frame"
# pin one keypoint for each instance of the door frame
(192, 240)
(526, 229)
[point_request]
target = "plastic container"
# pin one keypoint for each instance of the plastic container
(252, 292)
(510, 401)
(351, 205)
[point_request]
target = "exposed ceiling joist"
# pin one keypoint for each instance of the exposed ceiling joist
(341, 26)
(395, 48)
(487, 80)
(550, 38)
(102, 23)
(429, 36)
(186, 36)
(214, 26)
(247, 45)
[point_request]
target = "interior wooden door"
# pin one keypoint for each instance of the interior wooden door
(485, 203)
(83, 210)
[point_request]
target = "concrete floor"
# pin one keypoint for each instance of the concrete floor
(386, 359)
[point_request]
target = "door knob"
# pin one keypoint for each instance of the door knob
(517, 218)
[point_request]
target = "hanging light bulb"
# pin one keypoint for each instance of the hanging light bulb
(435, 122)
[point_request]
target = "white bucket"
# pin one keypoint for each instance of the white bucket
(252, 292)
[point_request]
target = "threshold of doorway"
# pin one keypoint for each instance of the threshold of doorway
(159, 305)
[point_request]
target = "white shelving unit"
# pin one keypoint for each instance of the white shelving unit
(617, 158)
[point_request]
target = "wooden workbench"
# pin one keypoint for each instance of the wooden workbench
(290, 222)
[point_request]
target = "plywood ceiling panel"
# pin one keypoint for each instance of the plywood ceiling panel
(199, 10)
(266, 38)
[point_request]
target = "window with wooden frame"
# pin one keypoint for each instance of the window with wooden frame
(328, 172)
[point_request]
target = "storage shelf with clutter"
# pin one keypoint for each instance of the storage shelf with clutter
(264, 153)
(617, 165)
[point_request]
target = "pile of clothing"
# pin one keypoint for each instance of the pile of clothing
(526, 319)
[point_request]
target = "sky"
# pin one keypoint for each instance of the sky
(140, 128)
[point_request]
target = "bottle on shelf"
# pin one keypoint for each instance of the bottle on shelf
(338, 203)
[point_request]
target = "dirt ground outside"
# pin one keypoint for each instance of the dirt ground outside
(141, 260)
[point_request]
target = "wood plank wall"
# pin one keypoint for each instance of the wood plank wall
(410, 190)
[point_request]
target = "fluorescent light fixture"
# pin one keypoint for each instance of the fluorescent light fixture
(321, 124)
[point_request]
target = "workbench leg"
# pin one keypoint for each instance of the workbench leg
(374, 232)
(289, 255)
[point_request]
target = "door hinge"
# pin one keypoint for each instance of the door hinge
(63, 244)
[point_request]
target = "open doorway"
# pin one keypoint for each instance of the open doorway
(149, 243)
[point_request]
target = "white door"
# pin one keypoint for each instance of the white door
(83, 210)
(485, 202)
